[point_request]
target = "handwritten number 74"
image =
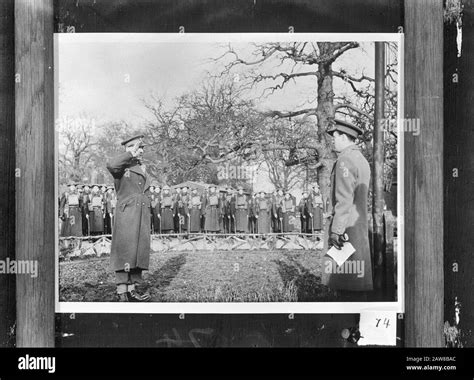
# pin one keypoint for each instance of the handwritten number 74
(386, 322)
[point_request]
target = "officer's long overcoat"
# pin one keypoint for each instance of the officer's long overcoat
(350, 179)
(131, 235)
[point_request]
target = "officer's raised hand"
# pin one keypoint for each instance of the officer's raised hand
(136, 149)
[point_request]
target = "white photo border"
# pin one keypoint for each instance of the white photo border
(397, 306)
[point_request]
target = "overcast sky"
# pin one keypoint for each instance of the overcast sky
(109, 80)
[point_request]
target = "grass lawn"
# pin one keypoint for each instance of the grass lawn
(206, 276)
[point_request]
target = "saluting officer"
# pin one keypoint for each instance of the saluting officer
(130, 252)
(350, 179)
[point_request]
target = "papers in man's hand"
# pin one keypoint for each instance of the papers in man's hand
(341, 255)
(378, 328)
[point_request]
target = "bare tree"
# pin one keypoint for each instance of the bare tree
(76, 136)
(207, 127)
(294, 60)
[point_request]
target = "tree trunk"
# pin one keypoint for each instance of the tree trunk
(325, 113)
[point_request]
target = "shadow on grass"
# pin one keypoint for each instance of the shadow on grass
(308, 286)
(161, 278)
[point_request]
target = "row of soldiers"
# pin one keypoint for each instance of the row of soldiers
(233, 211)
(86, 211)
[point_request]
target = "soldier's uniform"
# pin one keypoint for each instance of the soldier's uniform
(305, 208)
(96, 212)
(176, 196)
(253, 225)
(350, 178)
(212, 211)
(276, 211)
(182, 203)
(130, 251)
(288, 208)
(195, 212)
(155, 210)
(71, 213)
(151, 195)
(241, 211)
(167, 210)
(86, 199)
(110, 205)
(263, 211)
(228, 212)
(316, 210)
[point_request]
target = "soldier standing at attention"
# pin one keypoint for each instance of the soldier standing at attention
(195, 211)
(228, 208)
(288, 208)
(86, 199)
(263, 213)
(350, 178)
(151, 194)
(176, 197)
(183, 211)
(167, 210)
(156, 209)
(305, 213)
(253, 226)
(241, 211)
(71, 212)
(96, 215)
(130, 251)
(211, 206)
(317, 209)
(110, 208)
(276, 210)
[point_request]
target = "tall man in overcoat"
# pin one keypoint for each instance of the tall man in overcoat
(130, 251)
(350, 179)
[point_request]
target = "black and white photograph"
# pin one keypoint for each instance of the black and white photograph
(229, 172)
(275, 174)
